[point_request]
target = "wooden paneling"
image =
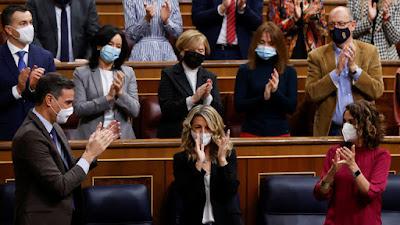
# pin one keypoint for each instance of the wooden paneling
(150, 162)
(148, 77)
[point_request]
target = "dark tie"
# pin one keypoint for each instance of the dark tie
(21, 62)
(61, 151)
(64, 57)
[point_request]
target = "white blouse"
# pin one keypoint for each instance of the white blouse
(208, 216)
(107, 78)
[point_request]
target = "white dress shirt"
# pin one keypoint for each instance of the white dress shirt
(222, 34)
(191, 76)
(107, 78)
(58, 18)
(14, 49)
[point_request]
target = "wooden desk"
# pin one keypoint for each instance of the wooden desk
(150, 162)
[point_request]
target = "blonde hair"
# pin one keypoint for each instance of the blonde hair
(216, 126)
(188, 38)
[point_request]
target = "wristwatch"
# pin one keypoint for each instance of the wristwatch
(356, 174)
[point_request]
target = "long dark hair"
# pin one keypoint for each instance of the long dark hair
(368, 122)
(102, 38)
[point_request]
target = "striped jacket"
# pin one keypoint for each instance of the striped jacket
(387, 33)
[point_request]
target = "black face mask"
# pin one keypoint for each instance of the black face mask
(193, 59)
(339, 36)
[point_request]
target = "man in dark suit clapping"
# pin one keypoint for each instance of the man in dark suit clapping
(21, 66)
(47, 176)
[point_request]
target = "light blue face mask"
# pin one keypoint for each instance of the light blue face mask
(109, 53)
(265, 52)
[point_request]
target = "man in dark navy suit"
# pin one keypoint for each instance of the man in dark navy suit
(228, 25)
(21, 66)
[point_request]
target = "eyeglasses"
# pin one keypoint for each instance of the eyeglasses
(339, 24)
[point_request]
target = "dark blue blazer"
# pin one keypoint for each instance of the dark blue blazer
(12, 111)
(207, 20)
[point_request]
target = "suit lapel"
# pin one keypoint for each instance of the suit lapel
(180, 77)
(51, 13)
(31, 56)
(329, 59)
(6, 53)
(95, 73)
(64, 144)
(74, 19)
(359, 54)
(53, 150)
(201, 77)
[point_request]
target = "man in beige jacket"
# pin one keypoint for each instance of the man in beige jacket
(340, 73)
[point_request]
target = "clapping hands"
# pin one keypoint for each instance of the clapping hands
(272, 85)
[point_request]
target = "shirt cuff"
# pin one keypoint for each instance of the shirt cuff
(189, 103)
(335, 78)
(208, 100)
(84, 165)
(357, 74)
(15, 92)
(219, 10)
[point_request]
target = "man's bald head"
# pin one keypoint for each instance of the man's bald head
(342, 13)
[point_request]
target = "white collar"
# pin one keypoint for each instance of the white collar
(45, 122)
(14, 49)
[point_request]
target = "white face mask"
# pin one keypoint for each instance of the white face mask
(205, 137)
(26, 34)
(349, 132)
(63, 114)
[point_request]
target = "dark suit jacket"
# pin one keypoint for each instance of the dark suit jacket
(172, 93)
(12, 111)
(84, 25)
(223, 191)
(206, 18)
(45, 189)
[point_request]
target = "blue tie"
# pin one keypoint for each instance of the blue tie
(63, 154)
(64, 57)
(21, 62)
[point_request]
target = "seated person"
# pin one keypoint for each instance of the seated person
(105, 90)
(149, 24)
(186, 84)
(378, 24)
(228, 25)
(65, 27)
(205, 170)
(302, 22)
(22, 64)
(355, 174)
(265, 87)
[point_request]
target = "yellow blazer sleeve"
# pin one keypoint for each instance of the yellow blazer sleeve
(370, 81)
(319, 84)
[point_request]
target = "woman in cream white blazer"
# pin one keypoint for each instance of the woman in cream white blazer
(105, 90)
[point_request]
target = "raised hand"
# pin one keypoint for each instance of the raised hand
(111, 93)
(209, 87)
(118, 83)
(350, 52)
(385, 8)
(372, 10)
(150, 11)
(224, 6)
(223, 146)
(35, 75)
(199, 93)
(241, 4)
(199, 148)
(22, 78)
(98, 143)
(347, 156)
(165, 11)
(115, 128)
(274, 81)
(341, 63)
(267, 91)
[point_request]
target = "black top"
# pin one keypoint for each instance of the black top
(172, 93)
(223, 191)
(265, 118)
